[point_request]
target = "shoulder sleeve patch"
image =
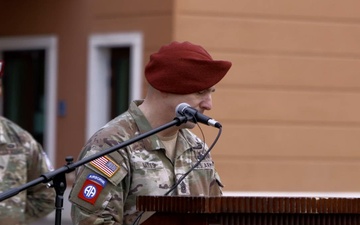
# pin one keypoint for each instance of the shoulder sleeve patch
(92, 188)
(105, 165)
(111, 166)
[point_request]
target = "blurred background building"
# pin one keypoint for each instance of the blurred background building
(289, 105)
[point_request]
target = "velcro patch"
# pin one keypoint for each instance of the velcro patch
(91, 188)
(105, 165)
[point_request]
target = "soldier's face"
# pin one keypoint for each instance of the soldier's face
(201, 101)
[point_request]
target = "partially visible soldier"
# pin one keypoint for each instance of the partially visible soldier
(22, 159)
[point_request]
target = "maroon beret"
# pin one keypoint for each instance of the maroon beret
(184, 68)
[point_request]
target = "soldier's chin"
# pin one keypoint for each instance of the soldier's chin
(189, 125)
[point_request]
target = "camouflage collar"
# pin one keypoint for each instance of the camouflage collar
(152, 142)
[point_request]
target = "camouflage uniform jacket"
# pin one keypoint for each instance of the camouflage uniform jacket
(22, 159)
(105, 191)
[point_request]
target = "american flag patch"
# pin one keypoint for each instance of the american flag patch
(105, 165)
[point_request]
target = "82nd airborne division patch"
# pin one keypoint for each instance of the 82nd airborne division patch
(91, 188)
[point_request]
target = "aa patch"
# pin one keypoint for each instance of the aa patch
(91, 188)
(105, 165)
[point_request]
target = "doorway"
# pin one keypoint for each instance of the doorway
(24, 90)
(35, 57)
(112, 56)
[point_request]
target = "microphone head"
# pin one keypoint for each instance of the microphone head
(179, 110)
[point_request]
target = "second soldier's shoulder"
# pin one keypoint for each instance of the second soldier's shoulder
(13, 131)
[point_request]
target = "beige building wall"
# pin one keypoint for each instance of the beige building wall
(288, 105)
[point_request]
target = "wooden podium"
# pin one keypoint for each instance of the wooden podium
(235, 210)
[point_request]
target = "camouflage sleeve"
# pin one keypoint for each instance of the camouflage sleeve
(216, 186)
(40, 199)
(99, 192)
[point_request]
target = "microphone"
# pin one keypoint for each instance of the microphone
(184, 109)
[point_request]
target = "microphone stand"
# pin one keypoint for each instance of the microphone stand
(58, 175)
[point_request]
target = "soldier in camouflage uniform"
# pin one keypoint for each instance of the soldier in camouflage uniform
(105, 189)
(22, 159)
